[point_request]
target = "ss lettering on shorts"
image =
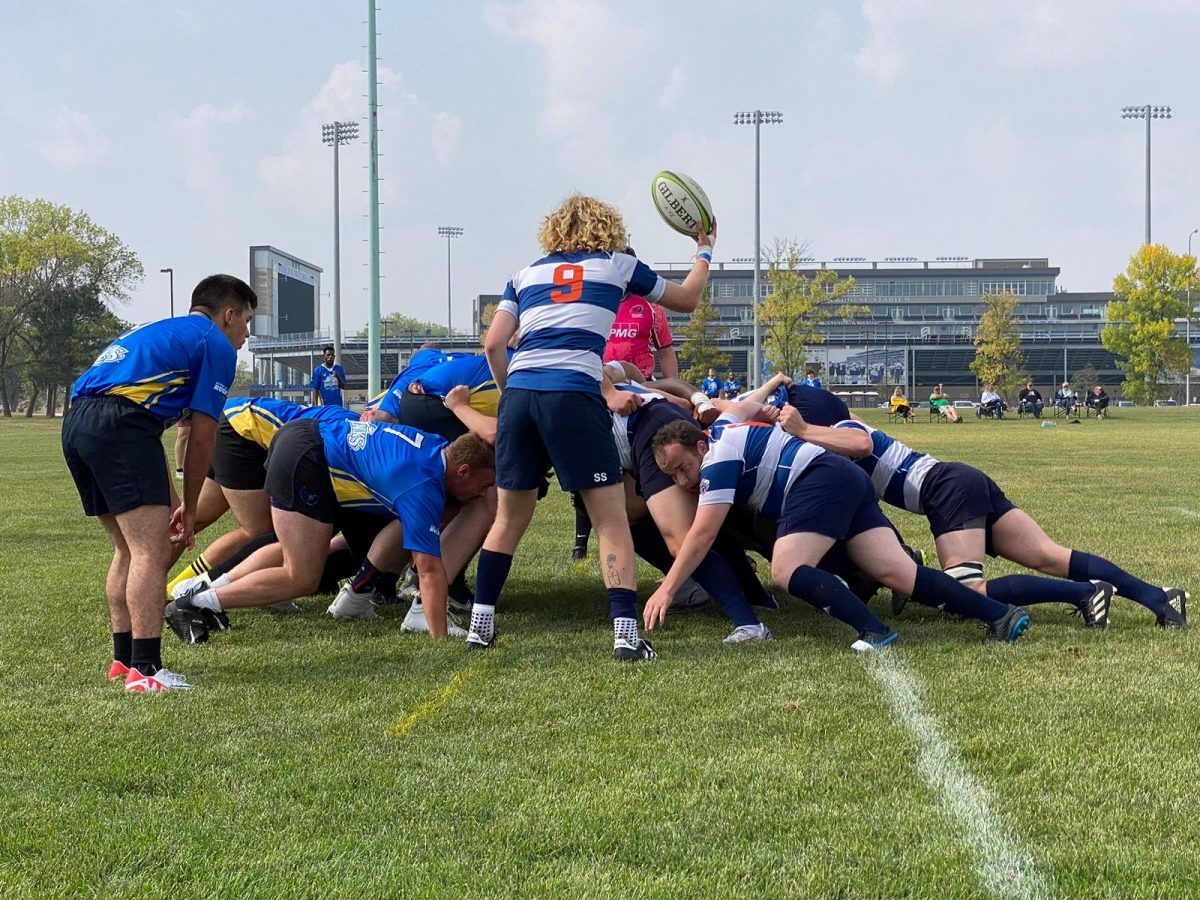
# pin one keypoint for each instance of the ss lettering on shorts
(600, 477)
(569, 278)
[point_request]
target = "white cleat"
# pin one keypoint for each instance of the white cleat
(746, 633)
(285, 606)
(350, 604)
(196, 581)
(414, 623)
(161, 681)
(409, 588)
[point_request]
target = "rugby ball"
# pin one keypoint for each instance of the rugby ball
(682, 203)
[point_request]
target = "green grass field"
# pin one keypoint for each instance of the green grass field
(316, 759)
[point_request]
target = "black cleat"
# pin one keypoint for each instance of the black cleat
(1009, 626)
(578, 553)
(623, 651)
(869, 641)
(188, 625)
(1174, 614)
(899, 601)
(1095, 608)
(213, 620)
(475, 641)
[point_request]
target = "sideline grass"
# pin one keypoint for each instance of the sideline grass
(775, 770)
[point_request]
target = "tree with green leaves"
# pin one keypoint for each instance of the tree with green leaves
(792, 317)
(47, 249)
(699, 341)
(1140, 332)
(998, 358)
(400, 325)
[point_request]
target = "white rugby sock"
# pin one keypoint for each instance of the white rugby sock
(220, 581)
(625, 630)
(483, 620)
(207, 599)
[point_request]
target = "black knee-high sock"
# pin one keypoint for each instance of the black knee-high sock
(826, 592)
(340, 564)
(583, 523)
(939, 590)
(242, 553)
(459, 591)
(1023, 590)
(1085, 566)
(747, 578)
(648, 543)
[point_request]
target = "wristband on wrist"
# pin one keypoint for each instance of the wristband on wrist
(704, 253)
(698, 399)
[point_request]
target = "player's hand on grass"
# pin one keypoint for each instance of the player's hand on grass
(623, 403)
(458, 397)
(655, 611)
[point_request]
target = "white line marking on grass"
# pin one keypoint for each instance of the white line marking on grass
(1005, 866)
(1185, 512)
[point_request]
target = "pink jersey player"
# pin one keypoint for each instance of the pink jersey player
(639, 328)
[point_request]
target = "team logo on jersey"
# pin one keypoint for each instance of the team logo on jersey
(112, 353)
(638, 312)
(220, 389)
(359, 432)
(703, 485)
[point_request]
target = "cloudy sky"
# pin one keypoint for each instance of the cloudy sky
(911, 128)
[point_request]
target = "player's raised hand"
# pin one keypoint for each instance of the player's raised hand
(707, 241)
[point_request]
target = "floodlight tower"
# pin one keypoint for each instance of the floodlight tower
(449, 232)
(757, 118)
(1146, 112)
(336, 134)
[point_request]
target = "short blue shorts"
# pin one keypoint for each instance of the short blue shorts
(569, 430)
(833, 497)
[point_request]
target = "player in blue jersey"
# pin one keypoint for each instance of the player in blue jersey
(711, 386)
(553, 407)
(970, 518)
(328, 380)
(319, 469)
(112, 440)
(819, 499)
(731, 387)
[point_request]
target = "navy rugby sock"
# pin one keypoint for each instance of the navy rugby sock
(648, 543)
(826, 592)
(490, 576)
(716, 576)
(939, 590)
(1085, 567)
(1023, 590)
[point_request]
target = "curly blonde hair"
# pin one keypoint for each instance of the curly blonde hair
(583, 225)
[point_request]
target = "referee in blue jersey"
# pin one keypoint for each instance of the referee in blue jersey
(553, 408)
(112, 440)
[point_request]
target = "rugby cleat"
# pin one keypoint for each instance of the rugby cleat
(414, 623)
(409, 586)
(578, 553)
(869, 641)
(189, 626)
(476, 641)
(196, 582)
(1095, 608)
(285, 606)
(161, 681)
(352, 604)
(623, 651)
(1174, 614)
(117, 670)
(1009, 626)
(744, 634)
(214, 619)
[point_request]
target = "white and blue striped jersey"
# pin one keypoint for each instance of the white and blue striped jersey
(565, 305)
(896, 470)
(752, 464)
(623, 425)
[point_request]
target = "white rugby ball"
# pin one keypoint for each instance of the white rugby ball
(682, 203)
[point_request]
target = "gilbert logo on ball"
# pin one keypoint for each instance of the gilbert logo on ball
(682, 203)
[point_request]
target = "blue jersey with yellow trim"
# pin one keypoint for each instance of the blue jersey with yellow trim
(257, 419)
(565, 305)
(390, 470)
(418, 364)
(167, 367)
(472, 371)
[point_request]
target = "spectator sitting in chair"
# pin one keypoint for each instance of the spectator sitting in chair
(1029, 400)
(900, 405)
(1098, 400)
(1064, 398)
(943, 406)
(991, 403)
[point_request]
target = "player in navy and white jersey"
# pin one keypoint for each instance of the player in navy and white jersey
(112, 440)
(318, 469)
(662, 513)
(970, 516)
(553, 407)
(819, 500)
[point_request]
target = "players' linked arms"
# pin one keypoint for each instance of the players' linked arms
(623, 403)
(495, 346)
(851, 442)
(741, 410)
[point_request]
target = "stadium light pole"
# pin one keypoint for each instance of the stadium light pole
(1187, 329)
(1146, 112)
(171, 274)
(449, 232)
(757, 118)
(335, 134)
